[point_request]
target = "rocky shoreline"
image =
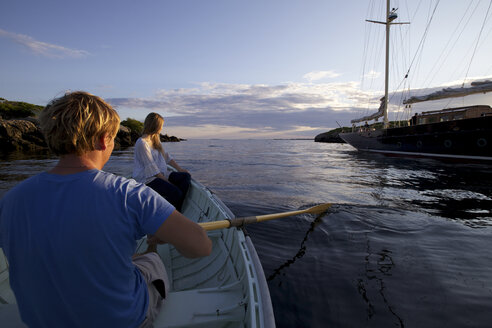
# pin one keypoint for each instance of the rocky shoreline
(331, 136)
(25, 136)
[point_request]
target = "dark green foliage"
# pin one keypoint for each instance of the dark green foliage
(133, 125)
(18, 109)
(339, 130)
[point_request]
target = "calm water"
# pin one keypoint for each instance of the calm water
(406, 243)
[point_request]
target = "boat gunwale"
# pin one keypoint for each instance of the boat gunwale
(259, 293)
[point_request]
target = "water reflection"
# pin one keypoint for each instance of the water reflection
(378, 266)
(291, 173)
(460, 192)
(390, 253)
(302, 249)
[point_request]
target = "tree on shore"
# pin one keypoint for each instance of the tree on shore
(18, 109)
(133, 125)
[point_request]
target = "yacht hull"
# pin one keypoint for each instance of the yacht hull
(466, 139)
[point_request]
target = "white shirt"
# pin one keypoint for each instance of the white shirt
(148, 162)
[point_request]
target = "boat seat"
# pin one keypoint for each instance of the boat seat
(10, 316)
(9, 313)
(212, 307)
(208, 307)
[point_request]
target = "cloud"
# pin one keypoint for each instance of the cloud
(319, 75)
(43, 48)
(220, 110)
(295, 108)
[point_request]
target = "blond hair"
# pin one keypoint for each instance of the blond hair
(73, 123)
(152, 127)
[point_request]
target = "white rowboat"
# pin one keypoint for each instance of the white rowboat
(226, 289)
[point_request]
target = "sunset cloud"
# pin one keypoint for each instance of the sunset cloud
(296, 108)
(224, 110)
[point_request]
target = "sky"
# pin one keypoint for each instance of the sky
(236, 69)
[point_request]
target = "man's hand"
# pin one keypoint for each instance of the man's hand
(153, 240)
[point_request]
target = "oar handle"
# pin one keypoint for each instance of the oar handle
(214, 225)
(228, 223)
(239, 222)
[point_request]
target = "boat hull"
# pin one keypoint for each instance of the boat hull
(464, 140)
(226, 289)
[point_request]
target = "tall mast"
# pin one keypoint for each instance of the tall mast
(390, 16)
(386, 68)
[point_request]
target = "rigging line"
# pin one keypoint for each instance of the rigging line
(406, 8)
(487, 36)
(377, 57)
(437, 68)
(395, 62)
(366, 47)
(416, 58)
(402, 53)
(405, 79)
(424, 36)
(447, 104)
(400, 111)
(476, 45)
(416, 10)
(456, 41)
(376, 54)
(402, 81)
(413, 17)
(365, 55)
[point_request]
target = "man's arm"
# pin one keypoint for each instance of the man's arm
(189, 238)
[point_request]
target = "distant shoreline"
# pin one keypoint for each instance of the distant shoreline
(292, 139)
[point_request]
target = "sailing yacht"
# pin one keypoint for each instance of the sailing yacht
(463, 133)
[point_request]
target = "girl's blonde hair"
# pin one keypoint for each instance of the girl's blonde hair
(73, 123)
(152, 127)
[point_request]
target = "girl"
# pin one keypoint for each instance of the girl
(151, 164)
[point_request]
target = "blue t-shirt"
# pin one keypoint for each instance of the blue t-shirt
(69, 240)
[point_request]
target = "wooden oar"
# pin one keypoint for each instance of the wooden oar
(239, 222)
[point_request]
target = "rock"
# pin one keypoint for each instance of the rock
(123, 138)
(32, 120)
(25, 135)
(21, 135)
(329, 136)
(166, 138)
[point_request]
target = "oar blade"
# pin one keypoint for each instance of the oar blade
(318, 209)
